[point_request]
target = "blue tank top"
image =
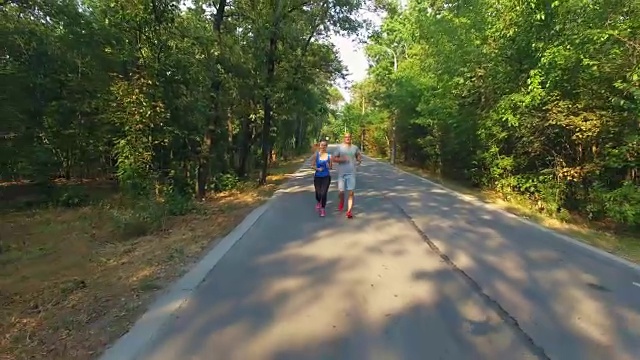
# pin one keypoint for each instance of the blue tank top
(324, 164)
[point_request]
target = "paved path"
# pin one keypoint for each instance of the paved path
(418, 274)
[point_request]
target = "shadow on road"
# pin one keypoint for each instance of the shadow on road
(570, 301)
(300, 287)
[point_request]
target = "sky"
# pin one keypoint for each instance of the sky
(352, 53)
(353, 56)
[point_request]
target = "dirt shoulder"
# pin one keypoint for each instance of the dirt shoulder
(69, 285)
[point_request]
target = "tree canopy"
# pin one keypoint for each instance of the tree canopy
(535, 98)
(171, 101)
(167, 98)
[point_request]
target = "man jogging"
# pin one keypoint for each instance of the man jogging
(346, 156)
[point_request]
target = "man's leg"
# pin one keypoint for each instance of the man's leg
(350, 184)
(341, 184)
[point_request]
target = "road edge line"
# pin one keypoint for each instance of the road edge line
(148, 326)
(474, 200)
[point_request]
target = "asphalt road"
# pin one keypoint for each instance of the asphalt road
(417, 274)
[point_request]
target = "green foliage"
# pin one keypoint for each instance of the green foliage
(138, 116)
(151, 94)
(179, 204)
(226, 182)
(139, 219)
(71, 197)
(537, 100)
(621, 205)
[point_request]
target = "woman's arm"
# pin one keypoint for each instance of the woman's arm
(314, 160)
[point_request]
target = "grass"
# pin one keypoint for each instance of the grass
(69, 285)
(623, 245)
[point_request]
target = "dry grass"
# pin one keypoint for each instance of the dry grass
(68, 287)
(623, 245)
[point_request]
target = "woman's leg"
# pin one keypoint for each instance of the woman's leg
(326, 182)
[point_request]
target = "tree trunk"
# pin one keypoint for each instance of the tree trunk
(208, 150)
(244, 147)
(266, 124)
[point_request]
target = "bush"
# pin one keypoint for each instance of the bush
(225, 182)
(622, 205)
(177, 204)
(139, 220)
(71, 197)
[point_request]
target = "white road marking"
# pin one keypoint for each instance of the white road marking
(636, 284)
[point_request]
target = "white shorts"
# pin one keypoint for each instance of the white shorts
(347, 181)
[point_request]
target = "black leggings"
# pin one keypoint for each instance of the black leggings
(322, 189)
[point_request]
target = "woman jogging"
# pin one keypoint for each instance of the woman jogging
(322, 163)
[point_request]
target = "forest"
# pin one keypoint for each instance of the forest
(534, 99)
(135, 132)
(165, 98)
(140, 130)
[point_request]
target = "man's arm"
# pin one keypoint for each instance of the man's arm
(336, 156)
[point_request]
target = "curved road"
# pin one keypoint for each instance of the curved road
(418, 274)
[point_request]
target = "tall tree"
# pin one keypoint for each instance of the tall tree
(538, 99)
(170, 100)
